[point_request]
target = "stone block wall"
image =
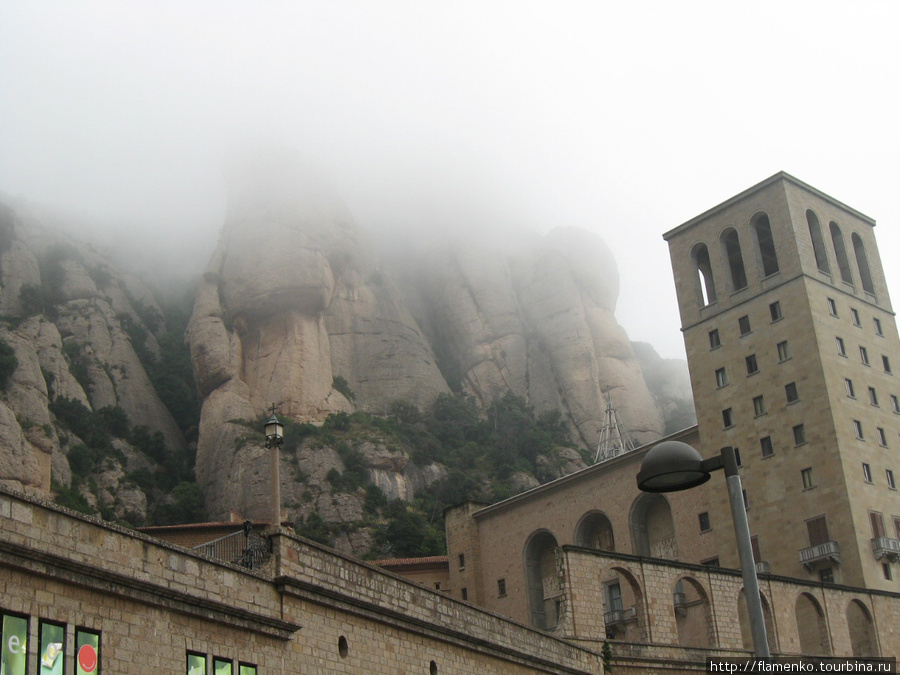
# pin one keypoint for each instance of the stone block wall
(308, 610)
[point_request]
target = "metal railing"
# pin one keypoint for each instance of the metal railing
(243, 548)
(620, 616)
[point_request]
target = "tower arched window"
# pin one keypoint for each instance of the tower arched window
(837, 239)
(815, 234)
(732, 246)
(766, 244)
(862, 263)
(705, 283)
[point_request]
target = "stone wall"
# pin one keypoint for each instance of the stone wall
(709, 620)
(308, 609)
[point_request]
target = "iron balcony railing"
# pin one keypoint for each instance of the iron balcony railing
(246, 549)
(885, 547)
(828, 551)
(617, 616)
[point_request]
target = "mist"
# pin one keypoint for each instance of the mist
(121, 118)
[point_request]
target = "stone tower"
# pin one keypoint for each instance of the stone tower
(792, 348)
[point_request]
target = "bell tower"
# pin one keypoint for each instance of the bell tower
(792, 348)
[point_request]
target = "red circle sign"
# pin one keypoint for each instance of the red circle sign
(87, 658)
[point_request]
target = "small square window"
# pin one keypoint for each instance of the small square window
(791, 393)
(744, 324)
(807, 478)
(759, 406)
(826, 575)
(765, 445)
(864, 355)
(832, 307)
(873, 396)
(501, 588)
(799, 434)
(752, 366)
(721, 377)
(890, 481)
(841, 349)
(775, 311)
(848, 385)
(867, 473)
(714, 340)
(727, 418)
(858, 430)
(886, 362)
(878, 331)
(784, 352)
(854, 316)
(704, 522)
(895, 403)
(882, 437)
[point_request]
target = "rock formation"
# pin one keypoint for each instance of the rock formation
(295, 301)
(65, 314)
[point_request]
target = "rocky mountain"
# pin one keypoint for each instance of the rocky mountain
(299, 309)
(79, 414)
(416, 370)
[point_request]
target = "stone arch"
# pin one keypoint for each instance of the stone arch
(862, 263)
(863, 640)
(765, 243)
(818, 242)
(840, 252)
(652, 527)
(811, 626)
(744, 617)
(594, 530)
(542, 580)
(731, 245)
(706, 286)
(623, 606)
(692, 614)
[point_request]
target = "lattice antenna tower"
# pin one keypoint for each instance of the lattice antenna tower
(614, 438)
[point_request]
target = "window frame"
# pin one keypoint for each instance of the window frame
(784, 351)
(867, 472)
(715, 341)
(728, 418)
(775, 311)
(759, 406)
(751, 359)
(841, 346)
(791, 392)
(799, 431)
(806, 478)
(832, 307)
(765, 444)
(721, 377)
(744, 327)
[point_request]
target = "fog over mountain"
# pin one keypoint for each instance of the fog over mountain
(623, 119)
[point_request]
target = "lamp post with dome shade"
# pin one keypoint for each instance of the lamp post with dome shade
(274, 438)
(672, 466)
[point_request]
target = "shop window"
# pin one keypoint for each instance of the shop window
(51, 649)
(223, 666)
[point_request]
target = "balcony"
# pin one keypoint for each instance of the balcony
(619, 617)
(827, 552)
(885, 547)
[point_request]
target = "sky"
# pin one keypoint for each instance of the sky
(626, 118)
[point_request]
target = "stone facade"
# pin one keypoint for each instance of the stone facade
(307, 610)
(767, 282)
(790, 334)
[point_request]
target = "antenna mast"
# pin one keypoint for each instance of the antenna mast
(614, 439)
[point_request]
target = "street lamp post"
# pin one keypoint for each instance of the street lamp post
(274, 438)
(672, 466)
